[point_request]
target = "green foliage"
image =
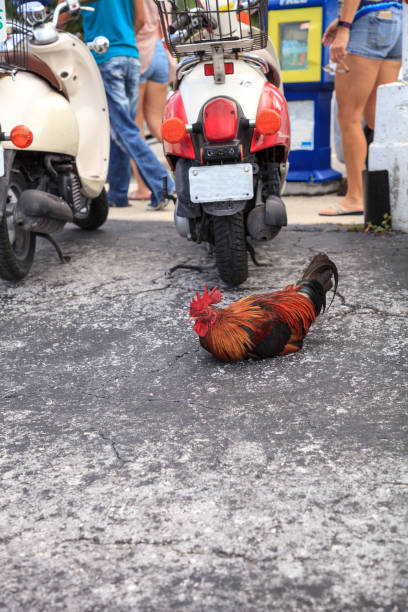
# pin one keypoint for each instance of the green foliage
(384, 228)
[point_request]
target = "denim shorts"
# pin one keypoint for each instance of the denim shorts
(376, 37)
(159, 69)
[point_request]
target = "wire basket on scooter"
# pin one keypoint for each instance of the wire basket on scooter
(193, 26)
(14, 49)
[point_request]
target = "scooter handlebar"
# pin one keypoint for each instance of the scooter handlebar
(100, 44)
(70, 6)
(180, 23)
(179, 36)
(188, 23)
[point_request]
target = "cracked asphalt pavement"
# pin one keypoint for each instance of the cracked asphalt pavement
(140, 474)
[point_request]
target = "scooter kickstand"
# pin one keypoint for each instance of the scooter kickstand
(252, 253)
(166, 194)
(63, 258)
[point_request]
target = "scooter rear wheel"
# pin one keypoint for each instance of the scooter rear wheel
(17, 246)
(98, 213)
(230, 248)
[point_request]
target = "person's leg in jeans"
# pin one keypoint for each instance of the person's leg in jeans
(119, 161)
(133, 93)
(118, 175)
(120, 76)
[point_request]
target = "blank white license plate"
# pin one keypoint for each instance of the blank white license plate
(220, 183)
(1, 161)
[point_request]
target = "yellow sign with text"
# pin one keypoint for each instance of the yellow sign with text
(297, 35)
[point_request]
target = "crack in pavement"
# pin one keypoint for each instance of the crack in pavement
(144, 291)
(147, 398)
(39, 300)
(170, 364)
(356, 308)
(218, 552)
(152, 398)
(115, 450)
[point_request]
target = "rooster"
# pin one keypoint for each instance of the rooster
(266, 324)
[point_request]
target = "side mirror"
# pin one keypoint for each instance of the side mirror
(100, 44)
(32, 13)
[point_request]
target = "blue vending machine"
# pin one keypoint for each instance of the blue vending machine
(296, 28)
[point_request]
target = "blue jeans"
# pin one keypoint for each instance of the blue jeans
(121, 79)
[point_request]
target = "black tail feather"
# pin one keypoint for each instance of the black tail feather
(321, 269)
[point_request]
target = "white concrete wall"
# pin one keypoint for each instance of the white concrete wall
(389, 151)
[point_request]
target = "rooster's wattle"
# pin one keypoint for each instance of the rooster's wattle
(267, 324)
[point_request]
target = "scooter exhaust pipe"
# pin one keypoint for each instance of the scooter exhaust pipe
(265, 221)
(182, 224)
(42, 212)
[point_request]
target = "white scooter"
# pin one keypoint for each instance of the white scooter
(54, 133)
(226, 130)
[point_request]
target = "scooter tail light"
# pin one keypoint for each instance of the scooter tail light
(209, 69)
(272, 126)
(268, 122)
(21, 136)
(173, 130)
(220, 118)
(174, 109)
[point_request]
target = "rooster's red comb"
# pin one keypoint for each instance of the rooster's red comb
(201, 302)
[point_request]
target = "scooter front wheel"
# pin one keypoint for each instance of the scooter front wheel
(230, 248)
(17, 246)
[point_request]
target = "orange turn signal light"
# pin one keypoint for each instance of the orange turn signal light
(268, 122)
(173, 130)
(21, 136)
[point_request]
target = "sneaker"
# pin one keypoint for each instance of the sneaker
(159, 206)
(162, 205)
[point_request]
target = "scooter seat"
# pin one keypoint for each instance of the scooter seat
(32, 63)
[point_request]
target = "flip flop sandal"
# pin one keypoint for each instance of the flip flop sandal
(340, 212)
(133, 195)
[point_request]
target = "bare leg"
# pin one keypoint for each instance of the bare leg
(154, 101)
(353, 90)
(142, 192)
(388, 74)
(139, 119)
(151, 107)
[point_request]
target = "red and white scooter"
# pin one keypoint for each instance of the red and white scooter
(226, 132)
